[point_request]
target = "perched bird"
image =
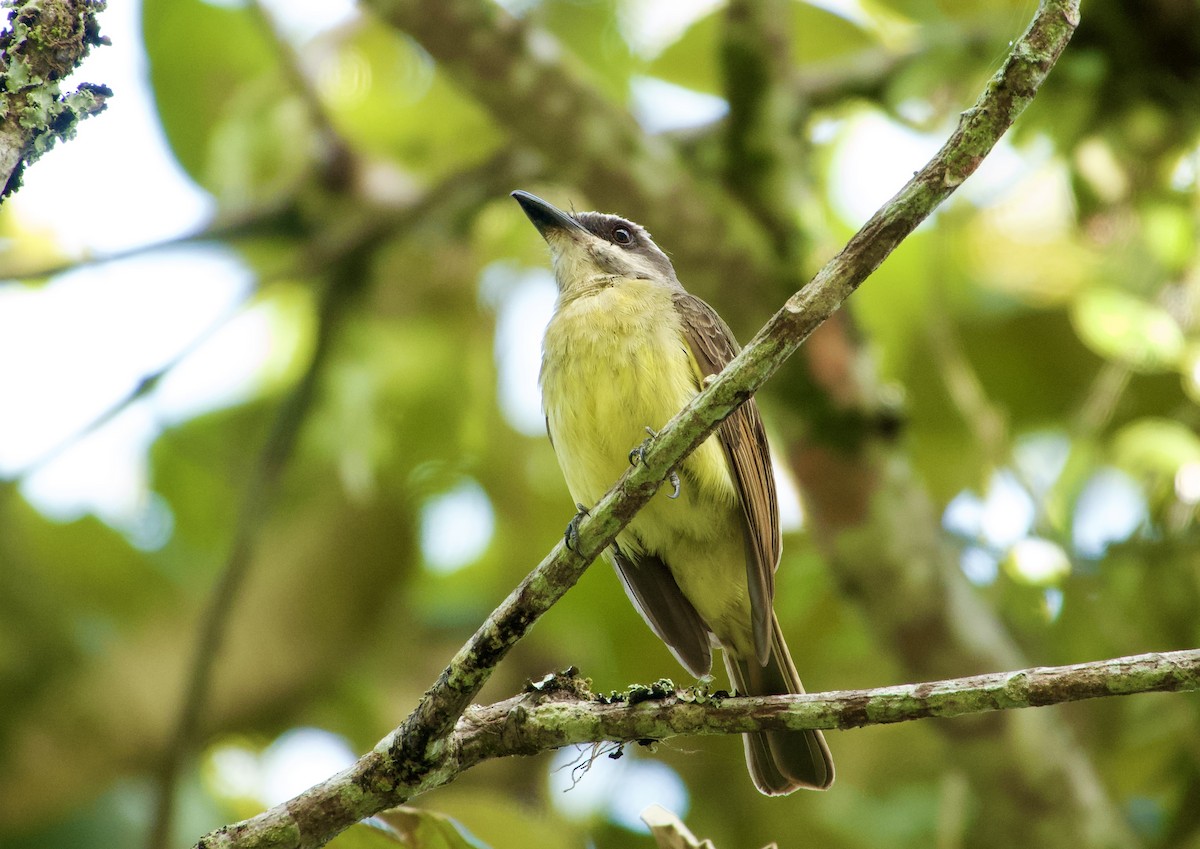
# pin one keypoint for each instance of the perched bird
(626, 348)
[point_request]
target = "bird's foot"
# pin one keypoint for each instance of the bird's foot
(636, 455)
(571, 534)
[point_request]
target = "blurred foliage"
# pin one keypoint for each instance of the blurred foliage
(1061, 308)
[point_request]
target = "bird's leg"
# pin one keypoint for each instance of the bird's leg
(636, 455)
(571, 534)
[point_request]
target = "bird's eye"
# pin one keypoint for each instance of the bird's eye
(622, 236)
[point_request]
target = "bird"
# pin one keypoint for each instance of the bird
(626, 348)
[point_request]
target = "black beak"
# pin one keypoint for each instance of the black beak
(545, 217)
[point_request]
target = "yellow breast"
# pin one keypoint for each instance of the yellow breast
(616, 361)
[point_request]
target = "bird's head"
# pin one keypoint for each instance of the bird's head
(591, 249)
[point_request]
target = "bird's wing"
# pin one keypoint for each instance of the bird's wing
(745, 444)
(652, 589)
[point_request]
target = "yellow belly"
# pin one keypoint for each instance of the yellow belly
(615, 362)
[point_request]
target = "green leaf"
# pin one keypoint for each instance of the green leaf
(1124, 328)
(1170, 233)
(200, 56)
(691, 60)
(590, 31)
(1155, 447)
(819, 38)
(386, 97)
(257, 155)
(1190, 369)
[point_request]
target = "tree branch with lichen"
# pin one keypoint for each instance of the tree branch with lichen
(424, 752)
(45, 41)
(561, 710)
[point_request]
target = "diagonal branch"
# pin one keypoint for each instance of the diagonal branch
(418, 754)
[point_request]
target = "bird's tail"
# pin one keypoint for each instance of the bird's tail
(779, 761)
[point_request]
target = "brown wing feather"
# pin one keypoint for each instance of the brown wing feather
(654, 593)
(745, 443)
(652, 589)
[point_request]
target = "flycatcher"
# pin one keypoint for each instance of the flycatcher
(626, 349)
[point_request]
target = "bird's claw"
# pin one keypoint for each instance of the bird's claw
(571, 534)
(636, 455)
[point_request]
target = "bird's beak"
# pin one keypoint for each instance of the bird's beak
(546, 217)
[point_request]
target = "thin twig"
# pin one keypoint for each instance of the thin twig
(248, 225)
(142, 389)
(468, 189)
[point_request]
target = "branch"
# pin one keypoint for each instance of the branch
(418, 755)
(567, 713)
(46, 41)
(871, 516)
(562, 711)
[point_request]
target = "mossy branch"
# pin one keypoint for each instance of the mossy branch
(425, 751)
(45, 41)
(561, 711)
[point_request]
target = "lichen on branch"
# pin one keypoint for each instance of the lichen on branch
(44, 42)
